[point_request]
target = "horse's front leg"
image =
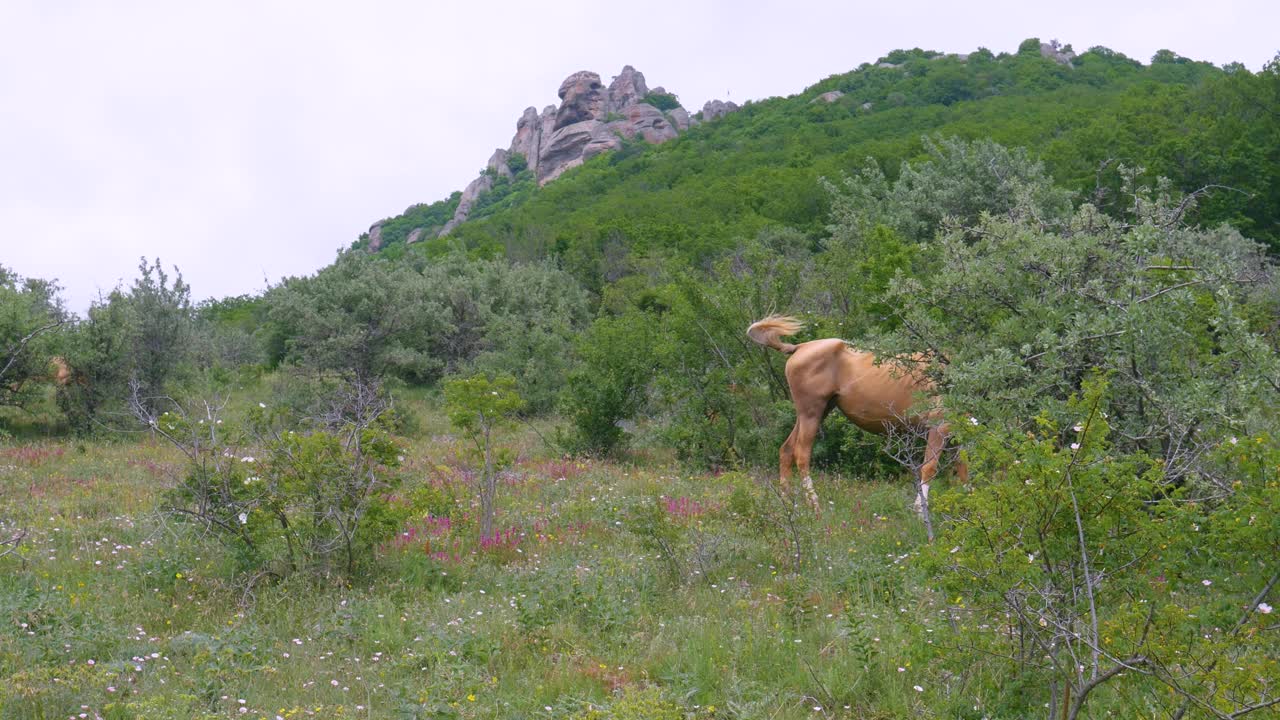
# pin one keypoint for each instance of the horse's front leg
(934, 444)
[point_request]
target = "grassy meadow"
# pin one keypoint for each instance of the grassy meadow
(616, 589)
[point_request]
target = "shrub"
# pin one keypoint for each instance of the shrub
(315, 499)
(662, 101)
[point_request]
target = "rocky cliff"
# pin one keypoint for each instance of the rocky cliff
(589, 120)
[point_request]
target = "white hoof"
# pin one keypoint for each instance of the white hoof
(810, 494)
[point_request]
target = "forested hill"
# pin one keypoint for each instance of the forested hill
(1084, 116)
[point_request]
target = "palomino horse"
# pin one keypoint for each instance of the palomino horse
(59, 372)
(877, 397)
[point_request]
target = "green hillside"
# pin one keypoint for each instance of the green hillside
(759, 167)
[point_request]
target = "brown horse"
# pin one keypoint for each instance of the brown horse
(877, 397)
(59, 373)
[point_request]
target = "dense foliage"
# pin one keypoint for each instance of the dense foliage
(370, 317)
(142, 338)
(30, 312)
(695, 197)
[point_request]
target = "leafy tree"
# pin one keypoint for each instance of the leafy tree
(99, 351)
(223, 337)
(368, 316)
(30, 314)
(162, 326)
(479, 406)
(519, 320)
(362, 318)
(1105, 368)
(610, 386)
(143, 337)
(1020, 314)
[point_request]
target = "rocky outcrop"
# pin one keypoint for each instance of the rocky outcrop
(414, 236)
(715, 109)
(828, 97)
(646, 121)
(590, 119)
(375, 237)
(470, 194)
(499, 163)
(570, 146)
(680, 118)
(627, 89)
(1055, 53)
(582, 98)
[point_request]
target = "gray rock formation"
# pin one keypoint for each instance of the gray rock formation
(1057, 54)
(680, 118)
(646, 121)
(571, 145)
(470, 194)
(498, 162)
(627, 89)
(828, 97)
(582, 98)
(715, 109)
(590, 119)
(414, 236)
(375, 237)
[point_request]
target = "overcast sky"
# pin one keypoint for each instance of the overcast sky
(248, 141)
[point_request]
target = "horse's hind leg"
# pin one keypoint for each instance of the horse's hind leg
(805, 433)
(786, 458)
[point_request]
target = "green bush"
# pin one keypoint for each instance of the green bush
(662, 101)
(318, 499)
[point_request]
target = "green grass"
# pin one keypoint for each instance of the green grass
(627, 590)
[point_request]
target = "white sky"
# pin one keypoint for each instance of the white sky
(247, 141)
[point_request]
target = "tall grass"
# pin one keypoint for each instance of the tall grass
(618, 590)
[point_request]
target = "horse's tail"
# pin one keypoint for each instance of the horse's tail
(767, 331)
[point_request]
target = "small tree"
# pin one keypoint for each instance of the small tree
(142, 335)
(162, 325)
(478, 406)
(30, 312)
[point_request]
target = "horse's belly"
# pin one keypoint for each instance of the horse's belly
(876, 414)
